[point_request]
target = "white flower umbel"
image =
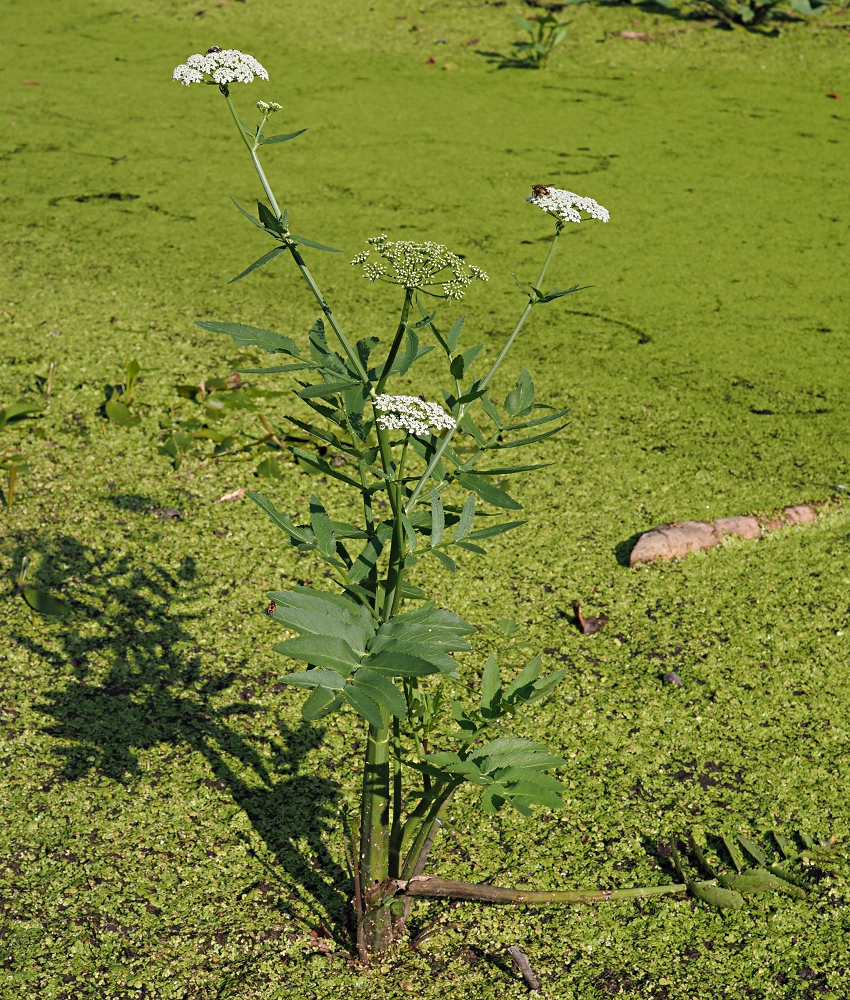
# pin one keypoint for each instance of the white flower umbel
(412, 414)
(566, 206)
(418, 265)
(221, 66)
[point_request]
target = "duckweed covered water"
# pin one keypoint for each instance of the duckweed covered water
(172, 829)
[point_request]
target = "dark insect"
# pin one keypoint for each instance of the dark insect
(270, 610)
(211, 49)
(538, 190)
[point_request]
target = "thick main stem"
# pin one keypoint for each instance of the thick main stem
(374, 930)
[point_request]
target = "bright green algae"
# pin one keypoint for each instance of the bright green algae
(172, 829)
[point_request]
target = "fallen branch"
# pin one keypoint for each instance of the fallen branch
(531, 981)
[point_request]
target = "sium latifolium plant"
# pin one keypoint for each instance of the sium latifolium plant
(422, 474)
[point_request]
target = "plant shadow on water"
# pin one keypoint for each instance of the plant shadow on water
(132, 689)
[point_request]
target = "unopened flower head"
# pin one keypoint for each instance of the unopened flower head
(412, 414)
(268, 108)
(221, 66)
(418, 265)
(566, 206)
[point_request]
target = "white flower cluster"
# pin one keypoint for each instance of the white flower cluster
(419, 265)
(267, 108)
(412, 414)
(565, 205)
(221, 66)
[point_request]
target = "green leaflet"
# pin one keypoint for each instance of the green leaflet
(400, 664)
(524, 680)
(324, 390)
(717, 896)
(46, 604)
(382, 649)
(467, 516)
(252, 336)
(322, 650)
(487, 492)
(536, 437)
(369, 554)
(269, 220)
(453, 336)
(513, 469)
(364, 706)
(14, 411)
(119, 413)
(520, 398)
(318, 613)
(493, 530)
(512, 751)
(325, 467)
(328, 679)
(759, 880)
(429, 624)
(447, 561)
(281, 520)
(276, 252)
(438, 520)
(381, 690)
(321, 702)
(491, 689)
(491, 411)
(754, 851)
(303, 241)
(321, 524)
(284, 137)
(252, 219)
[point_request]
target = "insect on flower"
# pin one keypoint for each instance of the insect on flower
(270, 610)
(539, 189)
(212, 48)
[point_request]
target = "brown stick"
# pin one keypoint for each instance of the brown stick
(531, 981)
(426, 885)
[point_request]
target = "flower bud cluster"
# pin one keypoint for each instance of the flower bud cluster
(268, 108)
(566, 206)
(221, 66)
(412, 414)
(418, 265)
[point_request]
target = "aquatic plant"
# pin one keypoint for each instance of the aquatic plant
(420, 471)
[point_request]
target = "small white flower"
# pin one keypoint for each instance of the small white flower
(412, 414)
(566, 206)
(221, 66)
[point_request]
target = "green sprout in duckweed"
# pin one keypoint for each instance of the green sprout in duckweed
(118, 404)
(421, 473)
(12, 461)
(545, 33)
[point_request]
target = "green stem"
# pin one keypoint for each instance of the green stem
(350, 353)
(402, 326)
(425, 885)
(395, 828)
(525, 314)
(296, 256)
(426, 817)
(438, 454)
(374, 930)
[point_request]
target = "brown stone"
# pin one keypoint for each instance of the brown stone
(800, 515)
(742, 526)
(672, 541)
